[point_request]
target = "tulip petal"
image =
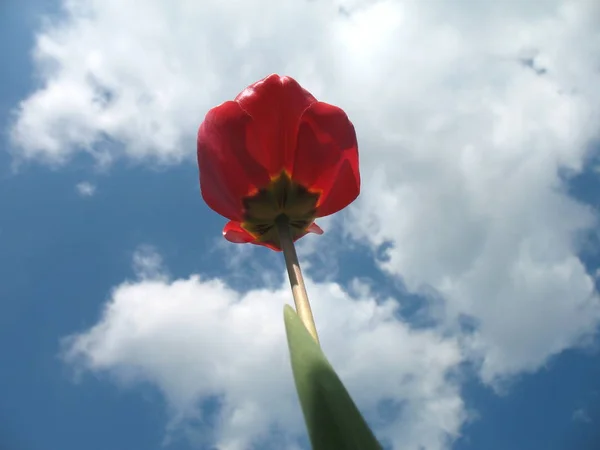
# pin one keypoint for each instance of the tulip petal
(227, 171)
(234, 232)
(327, 157)
(342, 191)
(314, 228)
(275, 105)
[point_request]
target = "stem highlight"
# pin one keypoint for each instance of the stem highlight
(295, 275)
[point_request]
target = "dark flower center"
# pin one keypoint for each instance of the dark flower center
(281, 199)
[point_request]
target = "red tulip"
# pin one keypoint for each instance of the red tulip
(272, 152)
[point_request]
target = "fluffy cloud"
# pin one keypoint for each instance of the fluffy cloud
(116, 83)
(472, 202)
(199, 341)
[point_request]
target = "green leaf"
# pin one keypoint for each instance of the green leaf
(332, 418)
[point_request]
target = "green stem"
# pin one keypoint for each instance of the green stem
(295, 274)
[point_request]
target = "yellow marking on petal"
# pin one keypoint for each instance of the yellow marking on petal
(284, 173)
(245, 226)
(282, 196)
(318, 192)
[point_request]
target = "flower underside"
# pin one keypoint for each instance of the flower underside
(282, 199)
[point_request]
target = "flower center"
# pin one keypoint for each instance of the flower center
(282, 197)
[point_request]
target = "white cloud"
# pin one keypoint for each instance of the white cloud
(469, 114)
(470, 195)
(85, 189)
(197, 338)
(148, 83)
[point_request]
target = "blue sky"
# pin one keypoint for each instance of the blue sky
(65, 256)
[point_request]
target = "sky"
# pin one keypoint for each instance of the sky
(457, 297)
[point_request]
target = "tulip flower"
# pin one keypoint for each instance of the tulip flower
(276, 151)
(272, 161)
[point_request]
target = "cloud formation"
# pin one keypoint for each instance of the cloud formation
(199, 341)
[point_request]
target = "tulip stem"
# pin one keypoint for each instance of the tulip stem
(295, 274)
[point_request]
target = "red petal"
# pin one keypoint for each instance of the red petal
(227, 171)
(326, 157)
(234, 232)
(343, 190)
(314, 228)
(276, 105)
